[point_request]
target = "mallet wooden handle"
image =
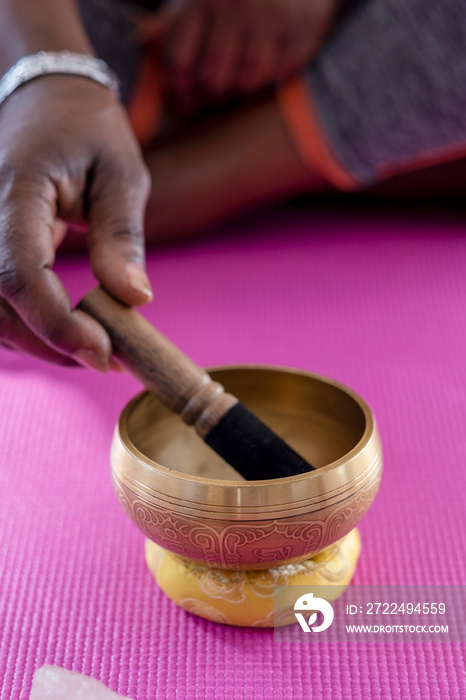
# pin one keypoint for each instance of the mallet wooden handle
(160, 366)
(220, 419)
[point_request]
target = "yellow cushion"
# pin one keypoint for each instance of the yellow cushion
(246, 598)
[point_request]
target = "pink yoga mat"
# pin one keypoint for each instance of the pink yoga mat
(374, 300)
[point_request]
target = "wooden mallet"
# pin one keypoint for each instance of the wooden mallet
(219, 418)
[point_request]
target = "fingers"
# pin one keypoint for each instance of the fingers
(219, 64)
(182, 47)
(117, 199)
(292, 59)
(259, 65)
(29, 286)
(211, 48)
(229, 47)
(15, 335)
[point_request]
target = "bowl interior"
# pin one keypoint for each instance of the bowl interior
(320, 419)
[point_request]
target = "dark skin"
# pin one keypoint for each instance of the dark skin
(100, 178)
(239, 161)
(219, 48)
(79, 160)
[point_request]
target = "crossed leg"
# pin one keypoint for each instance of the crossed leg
(225, 166)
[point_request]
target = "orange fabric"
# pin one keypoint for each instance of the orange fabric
(301, 116)
(146, 105)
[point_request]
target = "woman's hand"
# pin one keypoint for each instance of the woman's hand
(67, 151)
(228, 47)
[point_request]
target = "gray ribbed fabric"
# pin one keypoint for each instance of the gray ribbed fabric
(391, 83)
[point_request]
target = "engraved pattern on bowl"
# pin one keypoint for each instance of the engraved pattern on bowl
(185, 498)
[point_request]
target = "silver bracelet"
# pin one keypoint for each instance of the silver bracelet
(45, 63)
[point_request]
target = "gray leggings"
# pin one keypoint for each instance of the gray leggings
(390, 86)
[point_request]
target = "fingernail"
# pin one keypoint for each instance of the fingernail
(92, 360)
(138, 280)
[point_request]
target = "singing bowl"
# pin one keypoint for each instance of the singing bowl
(186, 499)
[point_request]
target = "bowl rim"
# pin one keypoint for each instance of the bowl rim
(368, 434)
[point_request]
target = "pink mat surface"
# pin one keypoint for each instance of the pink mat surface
(375, 301)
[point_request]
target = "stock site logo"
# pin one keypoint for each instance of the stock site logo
(307, 603)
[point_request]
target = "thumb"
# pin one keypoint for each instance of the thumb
(117, 200)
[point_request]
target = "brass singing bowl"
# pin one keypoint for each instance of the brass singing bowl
(184, 497)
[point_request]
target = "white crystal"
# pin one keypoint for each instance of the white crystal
(55, 683)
